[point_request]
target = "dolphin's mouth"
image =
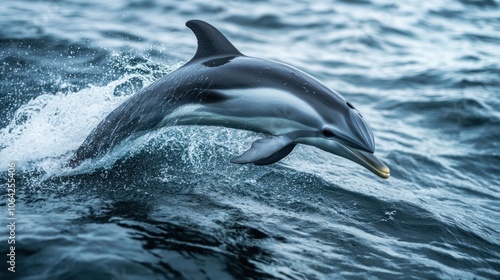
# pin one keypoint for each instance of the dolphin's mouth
(369, 161)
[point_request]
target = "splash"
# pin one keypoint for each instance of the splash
(45, 132)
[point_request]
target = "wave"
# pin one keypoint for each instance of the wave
(170, 204)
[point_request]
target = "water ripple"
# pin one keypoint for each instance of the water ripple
(170, 205)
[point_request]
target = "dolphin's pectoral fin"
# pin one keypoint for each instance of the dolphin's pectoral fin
(266, 151)
(276, 156)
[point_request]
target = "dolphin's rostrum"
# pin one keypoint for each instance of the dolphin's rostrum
(220, 86)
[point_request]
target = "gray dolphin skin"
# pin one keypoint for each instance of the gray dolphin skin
(220, 86)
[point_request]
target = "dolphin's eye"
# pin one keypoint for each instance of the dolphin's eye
(328, 133)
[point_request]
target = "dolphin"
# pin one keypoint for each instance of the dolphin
(220, 86)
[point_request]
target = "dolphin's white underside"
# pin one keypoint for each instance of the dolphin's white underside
(265, 110)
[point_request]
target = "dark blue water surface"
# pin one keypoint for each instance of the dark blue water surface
(425, 74)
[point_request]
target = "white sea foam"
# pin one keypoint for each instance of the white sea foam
(44, 132)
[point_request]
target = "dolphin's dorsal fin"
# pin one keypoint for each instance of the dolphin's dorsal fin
(211, 42)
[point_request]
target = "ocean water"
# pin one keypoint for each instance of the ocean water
(170, 205)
